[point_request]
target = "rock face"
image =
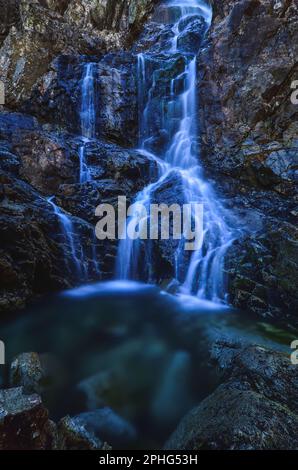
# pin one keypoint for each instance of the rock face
(33, 33)
(249, 120)
(36, 254)
(249, 140)
(256, 408)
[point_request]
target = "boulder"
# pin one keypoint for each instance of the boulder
(233, 419)
(26, 371)
(267, 372)
(255, 409)
(72, 435)
(107, 426)
(24, 422)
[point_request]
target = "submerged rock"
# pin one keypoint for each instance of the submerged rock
(173, 397)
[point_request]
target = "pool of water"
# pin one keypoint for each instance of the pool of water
(130, 347)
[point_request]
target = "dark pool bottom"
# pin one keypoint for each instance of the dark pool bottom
(132, 348)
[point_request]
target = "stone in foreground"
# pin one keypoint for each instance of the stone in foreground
(24, 422)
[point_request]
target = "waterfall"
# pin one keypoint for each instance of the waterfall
(87, 117)
(77, 258)
(68, 230)
(173, 114)
(77, 253)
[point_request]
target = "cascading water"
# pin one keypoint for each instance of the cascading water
(173, 114)
(77, 258)
(87, 117)
(77, 253)
(67, 228)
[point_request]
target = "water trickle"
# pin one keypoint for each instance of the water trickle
(69, 233)
(80, 259)
(88, 114)
(168, 122)
(87, 117)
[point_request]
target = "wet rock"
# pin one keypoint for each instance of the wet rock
(74, 436)
(13, 123)
(27, 371)
(35, 252)
(262, 270)
(122, 15)
(107, 426)
(46, 30)
(256, 407)
(245, 89)
(57, 5)
(264, 371)
(233, 419)
(118, 110)
(156, 37)
(115, 171)
(57, 97)
(24, 422)
(191, 35)
(9, 14)
(9, 161)
(46, 162)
